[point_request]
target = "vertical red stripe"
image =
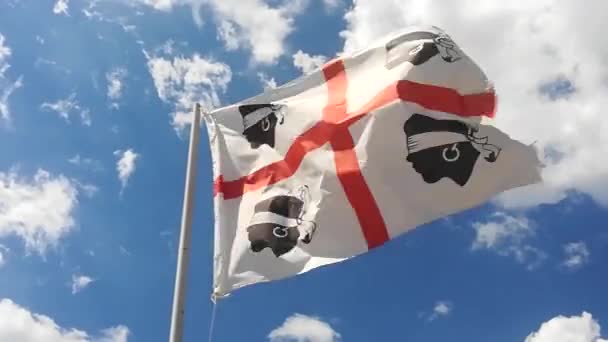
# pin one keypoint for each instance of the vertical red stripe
(357, 191)
(347, 165)
(335, 76)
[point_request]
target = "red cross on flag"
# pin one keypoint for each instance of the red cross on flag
(370, 146)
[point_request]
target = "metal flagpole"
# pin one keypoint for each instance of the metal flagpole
(183, 256)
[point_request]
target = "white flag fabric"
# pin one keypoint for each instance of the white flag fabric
(368, 147)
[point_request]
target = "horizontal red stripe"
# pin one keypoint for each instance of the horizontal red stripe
(383, 98)
(217, 185)
(429, 97)
(357, 191)
(447, 100)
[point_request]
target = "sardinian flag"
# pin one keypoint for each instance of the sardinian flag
(368, 147)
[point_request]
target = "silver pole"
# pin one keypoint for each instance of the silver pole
(183, 255)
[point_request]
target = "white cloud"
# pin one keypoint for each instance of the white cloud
(258, 25)
(168, 47)
(525, 46)
(507, 236)
(332, 4)
(267, 82)
(503, 230)
(302, 328)
(68, 107)
(3, 249)
(89, 163)
(5, 53)
(61, 7)
(80, 282)
(18, 324)
(39, 211)
(441, 309)
(115, 79)
(92, 13)
(307, 63)
(577, 255)
(128, 28)
(227, 32)
(185, 81)
(581, 328)
(63, 107)
(7, 87)
(125, 166)
(85, 117)
(114, 334)
(5, 93)
(163, 5)
(88, 190)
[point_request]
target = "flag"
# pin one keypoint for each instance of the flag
(368, 147)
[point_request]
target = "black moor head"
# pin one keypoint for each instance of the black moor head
(422, 47)
(445, 148)
(259, 122)
(277, 224)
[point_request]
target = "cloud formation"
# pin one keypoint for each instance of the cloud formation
(258, 25)
(302, 328)
(267, 81)
(80, 282)
(581, 328)
(88, 163)
(61, 7)
(125, 165)
(547, 60)
(7, 87)
(67, 107)
(508, 235)
(3, 250)
(576, 255)
(442, 308)
(115, 79)
(307, 63)
(40, 211)
(183, 82)
(20, 325)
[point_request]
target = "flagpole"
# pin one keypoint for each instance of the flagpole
(183, 255)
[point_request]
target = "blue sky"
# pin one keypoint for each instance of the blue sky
(94, 154)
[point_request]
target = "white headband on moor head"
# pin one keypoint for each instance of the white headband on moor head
(272, 218)
(426, 140)
(256, 116)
